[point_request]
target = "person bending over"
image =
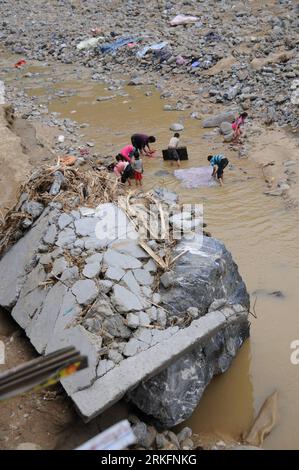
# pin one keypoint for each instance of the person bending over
(218, 162)
(141, 142)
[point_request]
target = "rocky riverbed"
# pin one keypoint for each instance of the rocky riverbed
(241, 54)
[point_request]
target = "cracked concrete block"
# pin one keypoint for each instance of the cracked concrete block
(66, 237)
(88, 344)
(132, 320)
(85, 226)
(59, 266)
(31, 297)
(125, 301)
(91, 270)
(114, 273)
(40, 330)
(64, 220)
(85, 291)
(104, 366)
(50, 235)
(143, 277)
(115, 259)
(134, 347)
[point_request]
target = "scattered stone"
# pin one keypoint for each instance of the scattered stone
(91, 270)
(176, 127)
(126, 301)
(114, 273)
(64, 220)
(116, 259)
(167, 279)
(193, 312)
(132, 320)
(143, 277)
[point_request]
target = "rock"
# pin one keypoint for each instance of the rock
(208, 259)
(28, 446)
(217, 304)
(161, 441)
(176, 127)
(116, 327)
(57, 183)
(161, 317)
(85, 291)
(167, 279)
(115, 356)
(70, 274)
(126, 301)
(193, 312)
(185, 433)
(225, 128)
(64, 220)
(132, 320)
(215, 121)
(33, 208)
(187, 444)
(145, 435)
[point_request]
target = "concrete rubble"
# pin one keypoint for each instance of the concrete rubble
(80, 278)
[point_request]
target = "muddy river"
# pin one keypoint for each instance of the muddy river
(260, 232)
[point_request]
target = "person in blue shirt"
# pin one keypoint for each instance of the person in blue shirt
(218, 162)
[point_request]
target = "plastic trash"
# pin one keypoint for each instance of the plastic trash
(113, 46)
(151, 47)
(196, 63)
(61, 139)
(88, 43)
(196, 177)
(20, 63)
(180, 60)
(183, 19)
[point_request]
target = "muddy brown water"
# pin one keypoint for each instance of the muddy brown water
(260, 232)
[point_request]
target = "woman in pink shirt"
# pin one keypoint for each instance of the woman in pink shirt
(127, 152)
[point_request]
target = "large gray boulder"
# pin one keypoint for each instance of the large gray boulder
(171, 396)
(205, 273)
(207, 279)
(215, 121)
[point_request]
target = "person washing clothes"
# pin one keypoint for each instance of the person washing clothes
(172, 148)
(218, 162)
(138, 168)
(141, 142)
(123, 169)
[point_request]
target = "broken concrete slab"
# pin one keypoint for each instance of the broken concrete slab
(85, 291)
(40, 330)
(114, 273)
(66, 237)
(85, 226)
(141, 366)
(143, 277)
(116, 259)
(64, 220)
(125, 301)
(89, 345)
(13, 264)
